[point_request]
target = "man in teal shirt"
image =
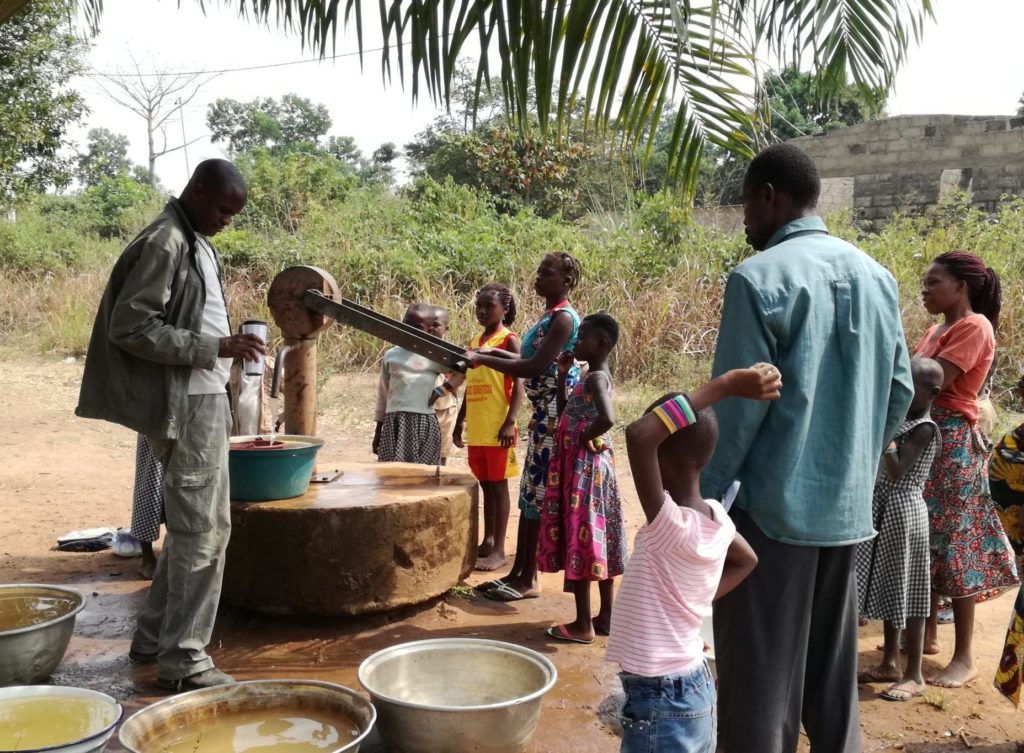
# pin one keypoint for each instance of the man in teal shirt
(828, 317)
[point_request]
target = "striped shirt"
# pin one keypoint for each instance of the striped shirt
(667, 590)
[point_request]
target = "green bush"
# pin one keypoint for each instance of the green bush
(661, 276)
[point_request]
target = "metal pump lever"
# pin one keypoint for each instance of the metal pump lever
(395, 332)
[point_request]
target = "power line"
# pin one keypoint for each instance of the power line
(105, 74)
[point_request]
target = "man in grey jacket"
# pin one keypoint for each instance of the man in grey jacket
(158, 364)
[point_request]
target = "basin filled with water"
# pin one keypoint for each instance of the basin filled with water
(36, 622)
(259, 716)
(56, 719)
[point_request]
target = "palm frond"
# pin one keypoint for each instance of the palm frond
(625, 63)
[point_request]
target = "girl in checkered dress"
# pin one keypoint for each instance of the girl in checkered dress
(893, 568)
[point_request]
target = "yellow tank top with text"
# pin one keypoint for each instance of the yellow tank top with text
(488, 393)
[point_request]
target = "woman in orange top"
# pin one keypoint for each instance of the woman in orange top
(970, 553)
(489, 411)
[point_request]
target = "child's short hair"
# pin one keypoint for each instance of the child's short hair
(572, 267)
(422, 309)
(503, 294)
(606, 323)
(694, 445)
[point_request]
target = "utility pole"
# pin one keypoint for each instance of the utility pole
(184, 141)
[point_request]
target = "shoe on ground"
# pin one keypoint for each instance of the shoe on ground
(209, 678)
(141, 657)
(126, 545)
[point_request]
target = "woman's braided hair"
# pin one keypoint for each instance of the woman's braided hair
(572, 267)
(504, 295)
(983, 289)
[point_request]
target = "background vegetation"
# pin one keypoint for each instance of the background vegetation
(658, 274)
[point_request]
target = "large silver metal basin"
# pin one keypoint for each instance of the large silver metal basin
(96, 739)
(143, 731)
(30, 653)
(457, 695)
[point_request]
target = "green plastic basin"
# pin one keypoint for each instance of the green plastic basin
(258, 475)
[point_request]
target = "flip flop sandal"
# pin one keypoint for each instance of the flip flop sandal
(489, 585)
(561, 633)
(506, 593)
(898, 692)
(600, 631)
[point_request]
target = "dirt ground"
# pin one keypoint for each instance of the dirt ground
(61, 473)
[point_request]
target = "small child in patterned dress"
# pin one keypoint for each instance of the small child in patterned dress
(581, 526)
(893, 580)
(407, 429)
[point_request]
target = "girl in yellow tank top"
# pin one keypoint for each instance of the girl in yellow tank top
(489, 412)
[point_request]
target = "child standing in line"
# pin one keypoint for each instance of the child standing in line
(555, 331)
(581, 528)
(445, 398)
(407, 429)
(686, 555)
(489, 413)
(893, 580)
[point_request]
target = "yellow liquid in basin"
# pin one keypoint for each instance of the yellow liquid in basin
(42, 722)
(263, 731)
(20, 610)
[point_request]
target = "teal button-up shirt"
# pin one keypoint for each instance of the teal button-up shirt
(828, 316)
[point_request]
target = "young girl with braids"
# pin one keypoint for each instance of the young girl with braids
(555, 332)
(969, 550)
(582, 531)
(489, 412)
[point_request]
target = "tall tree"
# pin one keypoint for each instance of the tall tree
(292, 124)
(155, 97)
(39, 55)
(794, 105)
(105, 156)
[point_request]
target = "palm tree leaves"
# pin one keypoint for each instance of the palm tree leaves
(624, 63)
(867, 38)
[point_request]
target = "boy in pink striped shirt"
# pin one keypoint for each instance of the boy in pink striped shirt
(687, 555)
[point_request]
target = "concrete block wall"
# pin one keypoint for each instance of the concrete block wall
(908, 163)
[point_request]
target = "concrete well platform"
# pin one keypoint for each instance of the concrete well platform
(384, 535)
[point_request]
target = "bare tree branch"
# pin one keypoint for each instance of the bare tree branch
(154, 97)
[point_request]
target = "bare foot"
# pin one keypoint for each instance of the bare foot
(148, 567)
(955, 675)
(601, 625)
(880, 673)
(484, 550)
(491, 561)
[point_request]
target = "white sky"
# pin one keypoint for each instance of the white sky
(968, 64)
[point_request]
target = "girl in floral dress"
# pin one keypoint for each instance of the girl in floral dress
(969, 550)
(555, 332)
(582, 531)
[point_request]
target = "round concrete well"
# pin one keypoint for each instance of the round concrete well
(383, 535)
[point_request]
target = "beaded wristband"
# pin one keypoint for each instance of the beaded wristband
(676, 413)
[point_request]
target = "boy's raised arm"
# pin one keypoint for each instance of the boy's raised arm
(643, 437)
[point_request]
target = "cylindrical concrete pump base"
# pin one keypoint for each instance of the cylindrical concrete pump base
(382, 536)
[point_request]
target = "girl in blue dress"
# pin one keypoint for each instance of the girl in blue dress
(555, 332)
